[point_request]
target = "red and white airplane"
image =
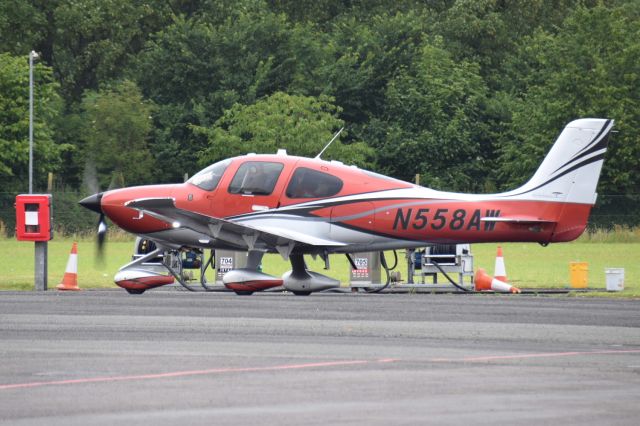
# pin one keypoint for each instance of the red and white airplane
(297, 206)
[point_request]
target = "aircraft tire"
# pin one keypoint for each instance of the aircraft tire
(302, 293)
(135, 291)
(243, 293)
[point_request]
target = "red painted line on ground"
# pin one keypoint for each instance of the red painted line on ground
(192, 373)
(301, 366)
(535, 355)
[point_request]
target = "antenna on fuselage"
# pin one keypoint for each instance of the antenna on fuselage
(317, 157)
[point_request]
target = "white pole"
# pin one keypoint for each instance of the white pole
(41, 248)
(32, 55)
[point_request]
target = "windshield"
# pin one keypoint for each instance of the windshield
(208, 178)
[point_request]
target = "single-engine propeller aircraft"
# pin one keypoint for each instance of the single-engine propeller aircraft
(298, 206)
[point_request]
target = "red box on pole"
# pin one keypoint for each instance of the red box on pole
(34, 217)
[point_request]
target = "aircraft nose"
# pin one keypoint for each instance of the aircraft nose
(92, 202)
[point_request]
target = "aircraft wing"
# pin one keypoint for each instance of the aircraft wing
(242, 235)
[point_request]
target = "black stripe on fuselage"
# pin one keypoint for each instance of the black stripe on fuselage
(305, 211)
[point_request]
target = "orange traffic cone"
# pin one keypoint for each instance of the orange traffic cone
(70, 279)
(499, 272)
(483, 282)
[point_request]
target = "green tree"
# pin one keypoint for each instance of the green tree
(23, 26)
(218, 61)
(215, 62)
(488, 31)
(117, 122)
(590, 68)
(302, 125)
(430, 123)
(365, 53)
(14, 123)
(94, 40)
(317, 11)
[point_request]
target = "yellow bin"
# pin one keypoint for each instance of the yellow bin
(578, 272)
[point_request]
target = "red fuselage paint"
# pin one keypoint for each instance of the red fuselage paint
(366, 203)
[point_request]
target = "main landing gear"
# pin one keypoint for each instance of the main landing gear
(149, 270)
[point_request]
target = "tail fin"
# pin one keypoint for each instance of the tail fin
(571, 169)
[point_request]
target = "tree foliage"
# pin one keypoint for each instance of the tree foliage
(301, 125)
(197, 68)
(95, 40)
(14, 122)
(116, 124)
(468, 93)
(590, 68)
(432, 111)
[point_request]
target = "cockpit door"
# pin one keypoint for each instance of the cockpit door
(256, 186)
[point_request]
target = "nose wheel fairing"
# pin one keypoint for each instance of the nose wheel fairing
(136, 278)
(138, 281)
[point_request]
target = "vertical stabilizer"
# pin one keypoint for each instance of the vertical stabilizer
(571, 169)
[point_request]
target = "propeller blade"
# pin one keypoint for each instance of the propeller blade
(102, 237)
(102, 231)
(93, 202)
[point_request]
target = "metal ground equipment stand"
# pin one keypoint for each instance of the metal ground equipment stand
(366, 271)
(447, 259)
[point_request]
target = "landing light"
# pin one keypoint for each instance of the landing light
(175, 224)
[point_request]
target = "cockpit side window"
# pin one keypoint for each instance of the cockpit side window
(308, 183)
(209, 178)
(256, 178)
